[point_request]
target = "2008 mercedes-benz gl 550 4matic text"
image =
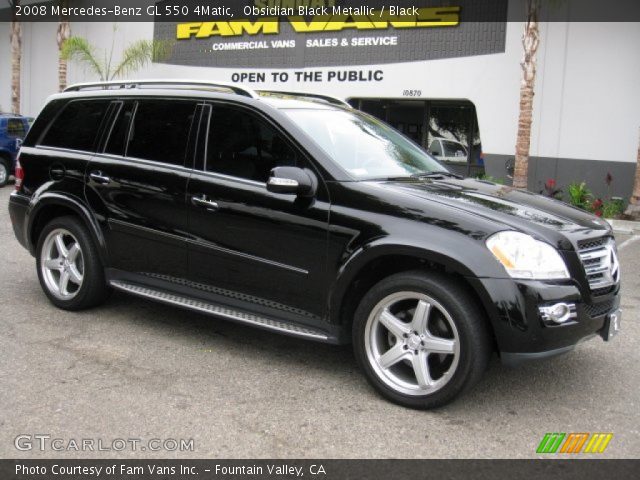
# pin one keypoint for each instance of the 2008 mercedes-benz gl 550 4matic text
(298, 214)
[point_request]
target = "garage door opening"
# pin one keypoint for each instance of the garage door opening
(448, 129)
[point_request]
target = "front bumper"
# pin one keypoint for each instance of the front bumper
(520, 332)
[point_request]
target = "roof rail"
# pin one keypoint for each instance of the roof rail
(238, 90)
(326, 98)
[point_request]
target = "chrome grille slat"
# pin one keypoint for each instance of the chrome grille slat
(600, 263)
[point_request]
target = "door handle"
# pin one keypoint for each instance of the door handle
(98, 177)
(202, 201)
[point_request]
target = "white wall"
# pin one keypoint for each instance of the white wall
(587, 102)
(39, 68)
(5, 67)
(588, 92)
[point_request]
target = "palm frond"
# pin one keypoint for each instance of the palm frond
(79, 50)
(162, 50)
(135, 56)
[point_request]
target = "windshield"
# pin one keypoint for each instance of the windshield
(363, 145)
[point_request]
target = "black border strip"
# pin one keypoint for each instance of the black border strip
(333, 469)
(471, 10)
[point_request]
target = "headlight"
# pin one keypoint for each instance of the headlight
(525, 257)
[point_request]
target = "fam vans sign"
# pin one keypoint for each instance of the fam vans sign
(309, 33)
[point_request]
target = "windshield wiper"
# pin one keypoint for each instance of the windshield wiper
(436, 175)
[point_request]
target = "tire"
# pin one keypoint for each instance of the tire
(85, 284)
(418, 318)
(4, 172)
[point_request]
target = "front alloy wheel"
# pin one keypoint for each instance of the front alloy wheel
(412, 343)
(421, 338)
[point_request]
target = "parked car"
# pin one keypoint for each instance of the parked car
(448, 150)
(298, 214)
(13, 129)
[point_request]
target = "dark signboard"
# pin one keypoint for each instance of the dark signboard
(314, 33)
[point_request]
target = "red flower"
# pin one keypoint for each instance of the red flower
(551, 183)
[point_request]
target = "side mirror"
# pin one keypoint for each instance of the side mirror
(292, 180)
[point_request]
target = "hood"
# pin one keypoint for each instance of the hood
(515, 208)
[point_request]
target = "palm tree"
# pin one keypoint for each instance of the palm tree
(63, 33)
(530, 42)
(633, 210)
(134, 57)
(16, 58)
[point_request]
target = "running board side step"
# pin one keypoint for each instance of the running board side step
(220, 311)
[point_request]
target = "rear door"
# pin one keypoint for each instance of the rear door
(137, 184)
(250, 244)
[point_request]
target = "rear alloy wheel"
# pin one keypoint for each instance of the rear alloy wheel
(69, 267)
(62, 264)
(421, 339)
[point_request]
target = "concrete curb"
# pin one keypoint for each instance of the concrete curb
(624, 226)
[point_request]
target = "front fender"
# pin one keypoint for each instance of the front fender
(468, 259)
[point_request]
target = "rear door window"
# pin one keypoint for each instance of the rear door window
(16, 128)
(160, 130)
(77, 125)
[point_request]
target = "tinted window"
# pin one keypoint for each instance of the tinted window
(16, 128)
(160, 130)
(435, 148)
(77, 125)
(453, 149)
(116, 143)
(242, 145)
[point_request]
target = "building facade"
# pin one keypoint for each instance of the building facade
(453, 88)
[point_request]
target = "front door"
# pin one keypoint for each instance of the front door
(250, 244)
(137, 185)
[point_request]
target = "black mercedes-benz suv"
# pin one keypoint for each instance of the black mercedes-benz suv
(296, 213)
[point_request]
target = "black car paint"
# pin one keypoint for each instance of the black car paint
(298, 258)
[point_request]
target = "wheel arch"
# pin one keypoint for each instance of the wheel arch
(51, 205)
(367, 268)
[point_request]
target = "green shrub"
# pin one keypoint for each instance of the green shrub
(612, 208)
(580, 196)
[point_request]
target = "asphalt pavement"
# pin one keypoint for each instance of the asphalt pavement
(135, 370)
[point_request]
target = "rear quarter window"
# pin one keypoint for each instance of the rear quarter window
(76, 127)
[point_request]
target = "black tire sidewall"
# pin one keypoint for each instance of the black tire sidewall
(475, 346)
(93, 287)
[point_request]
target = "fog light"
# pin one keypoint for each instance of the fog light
(558, 313)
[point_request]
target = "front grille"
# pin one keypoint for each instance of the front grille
(592, 243)
(598, 309)
(600, 264)
(598, 292)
